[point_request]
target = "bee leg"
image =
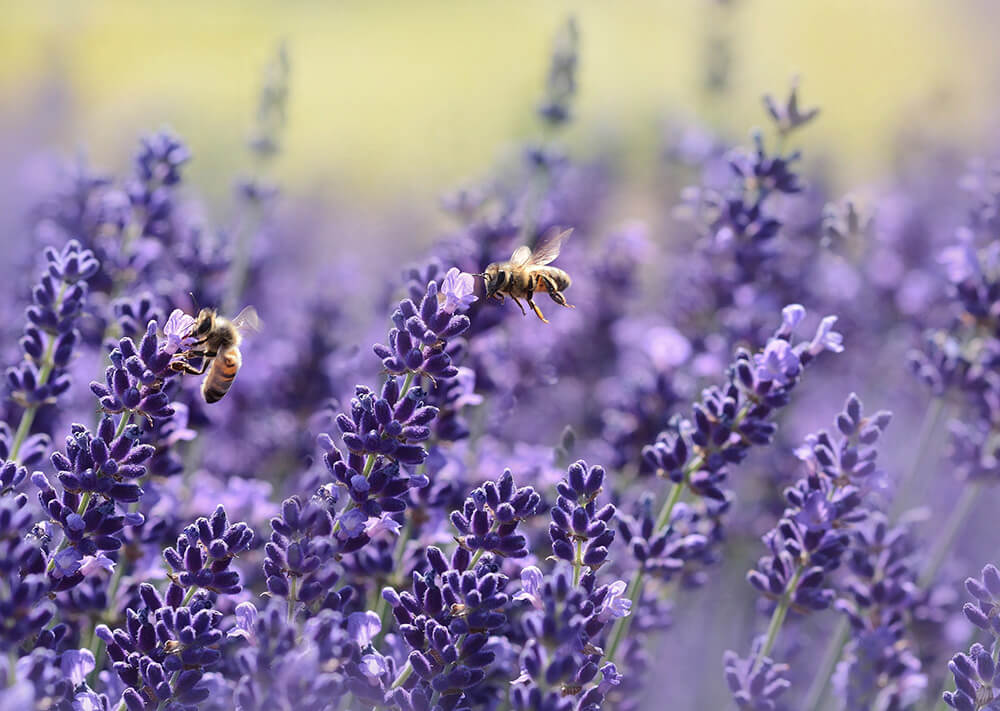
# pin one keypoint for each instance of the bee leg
(558, 297)
(538, 311)
(180, 366)
(555, 294)
(520, 306)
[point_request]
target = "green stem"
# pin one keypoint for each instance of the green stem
(830, 658)
(177, 674)
(381, 606)
(931, 420)
(189, 595)
(578, 562)
(44, 373)
(403, 675)
(778, 619)
(663, 520)
(126, 418)
(407, 382)
(943, 542)
(623, 623)
(292, 598)
(11, 667)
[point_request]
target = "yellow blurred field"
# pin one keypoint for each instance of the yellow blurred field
(394, 99)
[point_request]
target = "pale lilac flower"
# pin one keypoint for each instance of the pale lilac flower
(611, 678)
(384, 524)
(373, 666)
(175, 331)
(615, 604)
(94, 564)
(531, 587)
(352, 523)
(87, 701)
(67, 562)
(826, 339)
(363, 627)
(778, 362)
(791, 317)
(75, 664)
(456, 291)
(246, 623)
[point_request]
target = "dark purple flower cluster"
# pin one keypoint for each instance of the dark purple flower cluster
(812, 539)
(134, 381)
(298, 562)
(50, 334)
(489, 518)
(163, 651)
(204, 553)
(976, 674)
(579, 530)
(417, 341)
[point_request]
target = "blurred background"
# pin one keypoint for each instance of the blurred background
(391, 101)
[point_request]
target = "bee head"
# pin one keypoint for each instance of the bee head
(204, 323)
(494, 278)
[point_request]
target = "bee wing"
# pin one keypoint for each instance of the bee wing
(247, 320)
(548, 248)
(520, 256)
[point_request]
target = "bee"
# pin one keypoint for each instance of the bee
(217, 343)
(526, 272)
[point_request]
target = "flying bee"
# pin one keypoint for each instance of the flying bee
(526, 272)
(217, 343)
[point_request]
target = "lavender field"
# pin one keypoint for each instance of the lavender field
(709, 420)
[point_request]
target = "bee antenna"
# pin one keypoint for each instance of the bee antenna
(194, 301)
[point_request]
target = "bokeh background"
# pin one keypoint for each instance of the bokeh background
(393, 104)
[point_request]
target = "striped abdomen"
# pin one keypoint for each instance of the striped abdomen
(221, 374)
(551, 279)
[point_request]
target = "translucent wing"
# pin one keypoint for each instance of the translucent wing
(247, 320)
(548, 248)
(520, 256)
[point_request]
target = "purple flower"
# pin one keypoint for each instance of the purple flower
(246, 623)
(826, 339)
(76, 664)
(791, 317)
(94, 564)
(382, 524)
(610, 678)
(531, 587)
(374, 667)
(778, 362)
(177, 332)
(362, 627)
(616, 604)
(456, 291)
(88, 701)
